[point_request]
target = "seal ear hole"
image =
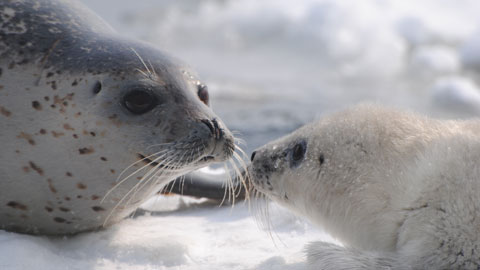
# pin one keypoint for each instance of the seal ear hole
(139, 101)
(321, 159)
(97, 88)
(203, 95)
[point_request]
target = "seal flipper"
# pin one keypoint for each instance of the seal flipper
(211, 186)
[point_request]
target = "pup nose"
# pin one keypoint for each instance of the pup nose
(214, 128)
(253, 155)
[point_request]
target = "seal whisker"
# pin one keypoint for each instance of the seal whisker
(130, 175)
(143, 62)
(142, 72)
(136, 162)
(237, 157)
(159, 144)
(154, 73)
(132, 189)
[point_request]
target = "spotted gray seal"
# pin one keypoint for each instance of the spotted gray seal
(400, 190)
(91, 123)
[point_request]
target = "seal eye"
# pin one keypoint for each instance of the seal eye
(203, 94)
(139, 101)
(298, 151)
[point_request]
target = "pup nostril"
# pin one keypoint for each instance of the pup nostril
(253, 155)
(209, 124)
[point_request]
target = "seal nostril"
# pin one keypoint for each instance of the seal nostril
(218, 130)
(253, 155)
(209, 124)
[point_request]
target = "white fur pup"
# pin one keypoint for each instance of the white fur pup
(401, 191)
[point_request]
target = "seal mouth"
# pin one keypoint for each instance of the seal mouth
(152, 163)
(206, 159)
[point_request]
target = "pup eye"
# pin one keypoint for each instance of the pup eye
(139, 101)
(298, 151)
(203, 94)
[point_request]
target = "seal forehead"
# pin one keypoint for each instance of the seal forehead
(47, 31)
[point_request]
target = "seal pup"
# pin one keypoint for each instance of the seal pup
(400, 190)
(92, 123)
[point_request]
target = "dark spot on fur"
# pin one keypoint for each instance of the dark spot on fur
(63, 209)
(67, 198)
(46, 98)
(112, 170)
(26, 169)
(97, 208)
(50, 186)
(35, 167)
(27, 137)
(68, 174)
(85, 151)
(1, 72)
(5, 112)
(67, 127)
(54, 85)
(49, 209)
(75, 136)
(81, 186)
(321, 159)
(36, 105)
(17, 205)
(49, 74)
(43, 131)
(95, 197)
(97, 88)
(103, 158)
(79, 196)
(93, 134)
(59, 219)
(74, 82)
(57, 134)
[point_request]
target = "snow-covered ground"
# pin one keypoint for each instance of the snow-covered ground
(271, 66)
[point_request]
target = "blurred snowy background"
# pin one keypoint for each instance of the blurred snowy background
(271, 66)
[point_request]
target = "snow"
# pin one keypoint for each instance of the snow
(183, 233)
(272, 66)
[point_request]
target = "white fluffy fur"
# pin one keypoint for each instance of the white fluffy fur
(400, 190)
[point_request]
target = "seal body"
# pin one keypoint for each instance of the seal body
(91, 123)
(400, 190)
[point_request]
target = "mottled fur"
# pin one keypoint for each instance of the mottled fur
(73, 157)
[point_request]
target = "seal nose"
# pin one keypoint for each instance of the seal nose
(253, 156)
(214, 128)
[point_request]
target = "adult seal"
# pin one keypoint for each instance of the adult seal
(91, 123)
(400, 190)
